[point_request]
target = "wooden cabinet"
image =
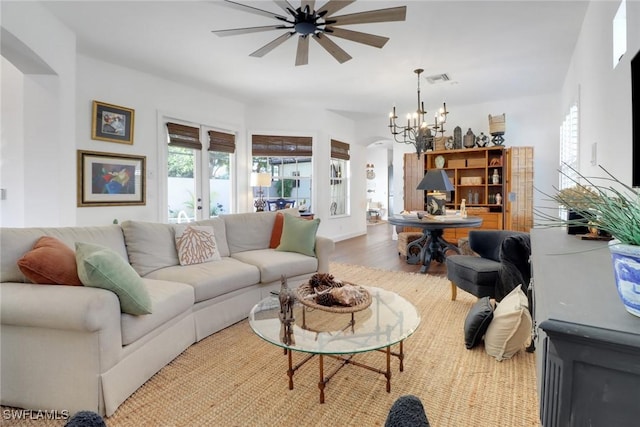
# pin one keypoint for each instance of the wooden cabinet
(504, 202)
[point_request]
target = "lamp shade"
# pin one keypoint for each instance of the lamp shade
(260, 179)
(436, 180)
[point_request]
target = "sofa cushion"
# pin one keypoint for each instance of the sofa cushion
(169, 300)
(15, 242)
(249, 231)
(100, 267)
(299, 235)
(211, 279)
(273, 264)
(510, 329)
(219, 231)
(474, 269)
(477, 322)
(276, 232)
(50, 262)
(150, 245)
(196, 244)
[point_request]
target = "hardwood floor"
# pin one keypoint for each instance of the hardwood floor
(376, 249)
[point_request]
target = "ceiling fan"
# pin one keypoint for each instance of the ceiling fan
(307, 22)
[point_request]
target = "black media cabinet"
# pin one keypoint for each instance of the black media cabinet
(588, 345)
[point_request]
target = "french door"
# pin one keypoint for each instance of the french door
(198, 178)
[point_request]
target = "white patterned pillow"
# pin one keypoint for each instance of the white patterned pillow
(196, 244)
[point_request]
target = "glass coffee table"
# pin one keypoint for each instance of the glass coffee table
(388, 321)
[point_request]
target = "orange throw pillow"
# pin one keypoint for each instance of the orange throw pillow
(276, 232)
(50, 262)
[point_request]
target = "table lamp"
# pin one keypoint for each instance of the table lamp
(260, 179)
(437, 181)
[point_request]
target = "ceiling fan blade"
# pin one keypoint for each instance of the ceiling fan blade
(358, 37)
(271, 45)
(302, 55)
(310, 3)
(251, 9)
(332, 6)
(380, 15)
(284, 5)
(248, 30)
(336, 51)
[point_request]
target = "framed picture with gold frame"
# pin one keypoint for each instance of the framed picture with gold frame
(108, 179)
(112, 123)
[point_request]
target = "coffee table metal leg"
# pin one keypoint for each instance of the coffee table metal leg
(401, 356)
(388, 373)
(290, 372)
(322, 381)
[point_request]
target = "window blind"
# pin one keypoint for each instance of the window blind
(281, 146)
(184, 136)
(339, 150)
(220, 141)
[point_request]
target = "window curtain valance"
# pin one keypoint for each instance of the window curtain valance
(281, 146)
(339, 150)
(220, 141)
(184, 136)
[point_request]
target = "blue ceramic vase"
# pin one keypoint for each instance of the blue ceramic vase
(626, 267)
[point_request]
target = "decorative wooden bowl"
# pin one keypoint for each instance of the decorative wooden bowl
(305, 290)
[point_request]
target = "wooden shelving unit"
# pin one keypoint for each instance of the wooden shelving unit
(471, 172)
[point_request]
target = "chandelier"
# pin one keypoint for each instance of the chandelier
(417, 131)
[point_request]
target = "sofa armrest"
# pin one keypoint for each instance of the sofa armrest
(324, 248)
(76, 308)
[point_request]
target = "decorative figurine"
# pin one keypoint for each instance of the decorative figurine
(287, 300)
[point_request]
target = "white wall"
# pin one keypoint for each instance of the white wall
(605, 93)
(41, 184)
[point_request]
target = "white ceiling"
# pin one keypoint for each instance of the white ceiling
(491, 50)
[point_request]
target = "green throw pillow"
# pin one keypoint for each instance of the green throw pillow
(100, 267)
(299, 235)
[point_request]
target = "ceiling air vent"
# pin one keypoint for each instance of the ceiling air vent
(438, 78)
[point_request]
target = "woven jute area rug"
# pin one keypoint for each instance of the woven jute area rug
(234, 378)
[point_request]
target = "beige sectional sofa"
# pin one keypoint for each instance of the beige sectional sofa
(71, 348)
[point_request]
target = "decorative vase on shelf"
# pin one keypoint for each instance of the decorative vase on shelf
(457, 138)
(469, 139)
(626, 268)
(495, 178)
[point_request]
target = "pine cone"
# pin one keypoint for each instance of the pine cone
(326, 299)
(321, 280)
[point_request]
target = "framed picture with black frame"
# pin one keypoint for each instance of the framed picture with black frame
(112, 123)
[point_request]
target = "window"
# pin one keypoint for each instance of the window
(192, 184)
(339, 178)
(620, 33)
(288, 160)
(569, 148)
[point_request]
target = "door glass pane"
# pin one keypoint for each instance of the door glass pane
(339, 188)
(181, 190)
(219, 183)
